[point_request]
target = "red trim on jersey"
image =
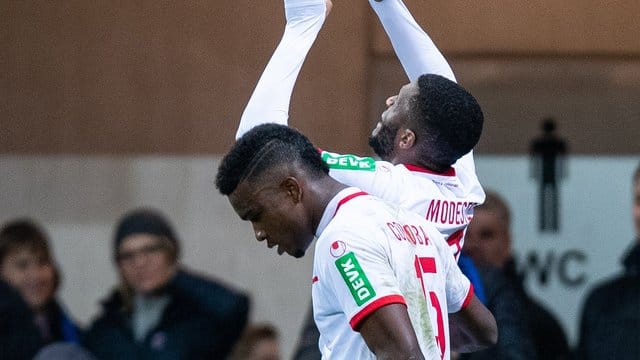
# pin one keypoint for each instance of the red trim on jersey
(467, 300)
(347, 198)
(449, 172)
(357, 319)
(314, 280)
(320, 150)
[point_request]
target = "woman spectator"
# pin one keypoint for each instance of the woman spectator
(30, 315)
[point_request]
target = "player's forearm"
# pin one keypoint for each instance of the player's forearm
(415, 49)
(270, 100)
(473, 328)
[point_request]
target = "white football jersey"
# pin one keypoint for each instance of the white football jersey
(446, 199)
(371, 253)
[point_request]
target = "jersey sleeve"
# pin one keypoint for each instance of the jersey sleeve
(378, 178)
(416, 51)
(459, 289)
(356, 268)
(270, 100)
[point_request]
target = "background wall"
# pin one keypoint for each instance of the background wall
(172, 77)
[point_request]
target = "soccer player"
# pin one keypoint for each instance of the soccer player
(424, 138)
(383, 277)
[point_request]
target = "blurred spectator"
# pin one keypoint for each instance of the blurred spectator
(610, 325)
(30, 316)
(161, 311)
(259, 342)
(307, 347)
(489, 244)
(515, 341)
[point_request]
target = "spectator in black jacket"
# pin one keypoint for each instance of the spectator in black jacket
(610, 325)
(488, 243)
(160, 311)
(30, 315)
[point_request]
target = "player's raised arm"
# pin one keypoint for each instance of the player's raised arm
(270, 100)
(415, 49)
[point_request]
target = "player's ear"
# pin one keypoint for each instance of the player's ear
(407, 139)
(292, 189)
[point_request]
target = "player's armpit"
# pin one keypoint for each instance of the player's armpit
(473, 328)
(389, 334)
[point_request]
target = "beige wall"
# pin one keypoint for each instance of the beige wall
(172, 77)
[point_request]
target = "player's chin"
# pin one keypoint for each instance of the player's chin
(297, 253)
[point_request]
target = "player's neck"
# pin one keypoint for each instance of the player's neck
(322, 192)
(415, 161)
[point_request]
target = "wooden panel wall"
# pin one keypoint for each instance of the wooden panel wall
(172, 77)
(164, 77)
(528, 27)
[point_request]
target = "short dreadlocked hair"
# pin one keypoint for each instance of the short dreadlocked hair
(447, 118)
(264, 147)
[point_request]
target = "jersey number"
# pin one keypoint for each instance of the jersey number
(427, 265)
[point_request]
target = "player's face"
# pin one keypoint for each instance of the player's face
(265, 349)
(277, 215)
(487, 240)
(636, 207)
(384, 137)
(31, 274)
(145, 262)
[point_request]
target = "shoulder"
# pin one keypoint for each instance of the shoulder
(110, 316)
(358, 218)
(601, 295)
(209, 294)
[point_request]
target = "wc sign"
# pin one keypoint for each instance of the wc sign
(540, 267)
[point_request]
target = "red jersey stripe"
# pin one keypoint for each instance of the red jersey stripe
(347, 198)
(357, 319)
(449, 172)
(467, 300)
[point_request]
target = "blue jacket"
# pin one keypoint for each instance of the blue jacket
(19, 337)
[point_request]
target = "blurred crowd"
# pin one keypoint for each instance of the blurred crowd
(160, 310)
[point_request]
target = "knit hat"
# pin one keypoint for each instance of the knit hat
(144, 221)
